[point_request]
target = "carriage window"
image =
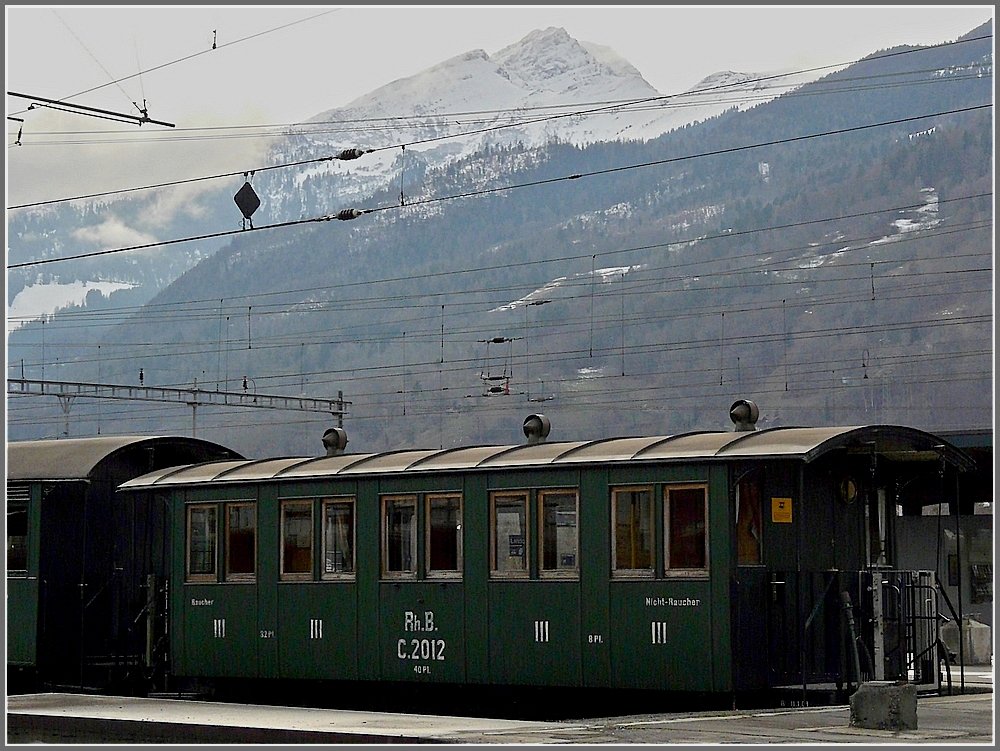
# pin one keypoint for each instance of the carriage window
(17, 539)
(241, 541)
(296, 540)
(748, 526)
(632, 543)
(399, 536)
(444, 535)
(557, 519)
(509, 533)
(201, 540)
(686, 536)
(338, 538)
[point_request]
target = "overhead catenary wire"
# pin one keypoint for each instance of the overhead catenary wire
(355, 128)
(594, 399)
(567, 327)
(94, 58)
(172, 311)
(346, 214)
(800, 368)
(118, 81)
(616, 105)
(842, 300)
(394, 123)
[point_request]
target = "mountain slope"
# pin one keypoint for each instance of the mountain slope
(835, 278)
(526, 93)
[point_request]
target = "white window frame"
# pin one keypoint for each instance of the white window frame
(559, 572)
(524, 498)
(633, 573)
(455, 573)
(701, 572)
(409, 499)
(351, 502)
(213, 575)
(239, 576)
(283, 504)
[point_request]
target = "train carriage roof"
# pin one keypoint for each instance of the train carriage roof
(794, 443)
(78, 458)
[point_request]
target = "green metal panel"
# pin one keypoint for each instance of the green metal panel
(662, 635)
(22, 623)
(421, 623)
(664, 631)
(368, 572)
(595, 569)
(179, 664)
(23, 593)
(221, 637)
(535, 634)
(269, 633)
(722, 548)
(476, 554)
(422, 631)
(782, 549)
(317, 623)
(213, 626)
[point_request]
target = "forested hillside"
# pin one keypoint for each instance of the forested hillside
(827, 254)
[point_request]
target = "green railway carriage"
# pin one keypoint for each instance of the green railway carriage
(710, 563)
(79, 557)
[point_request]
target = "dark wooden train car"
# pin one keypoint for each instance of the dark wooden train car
(718, 564)
(79, 556)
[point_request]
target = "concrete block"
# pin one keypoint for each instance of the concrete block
(977, 640)
(884, 705)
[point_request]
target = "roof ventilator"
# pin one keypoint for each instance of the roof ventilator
(744, 414)
(335, 441)
(536, 428)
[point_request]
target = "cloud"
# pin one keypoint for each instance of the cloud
(112, 233)
(58, 161)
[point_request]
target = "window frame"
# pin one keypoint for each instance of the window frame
(648, 572)
(431, 573)
(558, 573)
(239, 576)
(385, 500)
(284, 575)
(201, 577)
(18, 507)
(524, 497)
(751, 481)
(700, 572)
(351, 502)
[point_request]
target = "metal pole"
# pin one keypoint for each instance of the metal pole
(958, 555)
(150, 619)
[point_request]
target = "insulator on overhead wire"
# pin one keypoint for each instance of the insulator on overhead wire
(351, 154)
(348, 214)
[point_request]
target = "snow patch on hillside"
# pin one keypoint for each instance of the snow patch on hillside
(40, 300)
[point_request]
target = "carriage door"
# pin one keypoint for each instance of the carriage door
(752, 588)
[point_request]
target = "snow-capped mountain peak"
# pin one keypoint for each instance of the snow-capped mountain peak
(726, 79)
(550, 61)
(545, 87)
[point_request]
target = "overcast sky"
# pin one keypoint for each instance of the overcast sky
(285, 64)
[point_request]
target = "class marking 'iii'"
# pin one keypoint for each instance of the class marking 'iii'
(658, 631)
(541, 631)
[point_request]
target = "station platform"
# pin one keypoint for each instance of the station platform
(74, 718)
